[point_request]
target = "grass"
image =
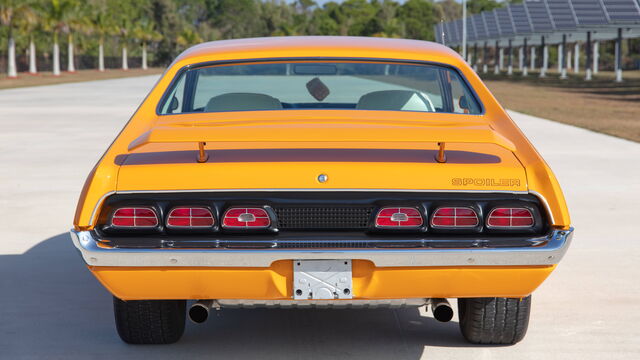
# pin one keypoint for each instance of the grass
(600, 105)
(47, 78)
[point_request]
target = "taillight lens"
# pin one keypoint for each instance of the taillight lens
(252, 218)
(454, 217)
(510, 218)
(190, 217)
(134, 217)
(399, 217)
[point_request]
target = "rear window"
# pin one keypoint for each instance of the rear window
(320, 85)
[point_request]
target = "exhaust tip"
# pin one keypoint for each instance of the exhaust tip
(198, 313)
(443, 313)
(442, 310)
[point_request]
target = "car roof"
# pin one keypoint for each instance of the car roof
(318, 46)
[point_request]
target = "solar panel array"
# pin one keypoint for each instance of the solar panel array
(491, 23)
(622, 11)
(543, 17)
(539, 16)
(521, 21)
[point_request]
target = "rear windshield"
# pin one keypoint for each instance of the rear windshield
(320, 85)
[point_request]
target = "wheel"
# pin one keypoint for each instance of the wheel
(150, 321)
(494, 320)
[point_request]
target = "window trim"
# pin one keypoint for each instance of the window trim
(194, 66)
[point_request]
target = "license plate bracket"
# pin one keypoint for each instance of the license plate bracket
(322, 279)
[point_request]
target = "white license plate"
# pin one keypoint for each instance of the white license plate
(322, 279)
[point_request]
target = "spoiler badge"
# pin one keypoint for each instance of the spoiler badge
(322, 178)
(484, 182)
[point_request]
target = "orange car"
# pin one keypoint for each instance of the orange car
(321, 171)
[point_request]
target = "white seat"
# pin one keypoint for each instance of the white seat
(242, 102)
(406, 100)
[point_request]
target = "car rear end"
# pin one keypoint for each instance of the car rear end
(245, 199)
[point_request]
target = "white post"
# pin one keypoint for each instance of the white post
(545, 61)
(619, 56)
(560, 57)
(533, 57)
(144, 56)
(56, 58)
(596, 56)
(576, 57)
(125, 64)
(70, 63)
(520, 58)
(501, 62)
(101, 56)
(464, 30)
(32, 58)
(12, 68)
(569, 54)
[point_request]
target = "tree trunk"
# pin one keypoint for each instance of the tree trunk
(125, 64)
(144, 56)
(70, 63)
(12, 69)
(33, 69)
(101, 55)
(56, 56)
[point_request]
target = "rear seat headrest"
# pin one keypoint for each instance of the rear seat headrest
(242, 102)
(407, 100)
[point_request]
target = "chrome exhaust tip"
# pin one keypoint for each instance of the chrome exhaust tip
(442, 310)
(199, 312)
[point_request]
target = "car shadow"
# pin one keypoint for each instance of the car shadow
(52, 307)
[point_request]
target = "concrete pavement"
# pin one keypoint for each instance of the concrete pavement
(51, 307)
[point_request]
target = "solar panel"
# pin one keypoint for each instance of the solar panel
(562, 14)
(472, 34)
(479, 25)
(589, 12)
(622, 11)
(491, 24)
(520, 19)
(457, 26)
(539, 15)
(437, 29)
(504, 22)
(450, 32)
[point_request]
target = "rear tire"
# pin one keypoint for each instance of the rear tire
(499, 321)
(150, 321)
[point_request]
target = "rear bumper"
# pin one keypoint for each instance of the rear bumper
(545, 251)
(275, 283)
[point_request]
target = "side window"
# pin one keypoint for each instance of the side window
(174, 102)
(463, 101)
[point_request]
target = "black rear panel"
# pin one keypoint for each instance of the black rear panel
(323, 217)
(331, 219)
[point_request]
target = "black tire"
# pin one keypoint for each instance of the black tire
(150, 321)
(500, 321)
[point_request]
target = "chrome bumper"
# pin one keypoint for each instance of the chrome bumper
(549, 252)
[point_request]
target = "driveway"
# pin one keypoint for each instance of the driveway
(51, 307)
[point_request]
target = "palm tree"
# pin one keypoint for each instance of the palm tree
(11, 13)
(103, 25)
(125, 12)
(74, 23)
(146, 33)
(188, 37)
(56, 14)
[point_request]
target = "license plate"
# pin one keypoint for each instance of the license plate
(322, 279)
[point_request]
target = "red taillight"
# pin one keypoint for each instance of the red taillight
(399, 217)
(454, 217)
(190, 217)
(253, 218)
(510, 218)
(135, 217)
